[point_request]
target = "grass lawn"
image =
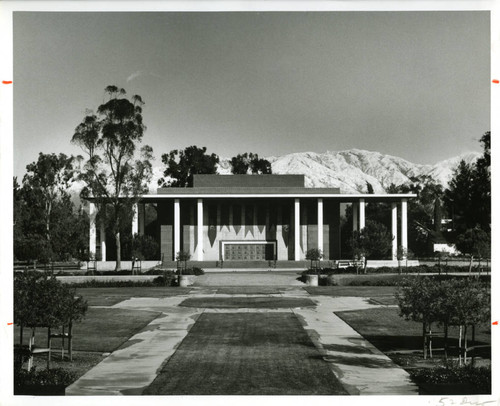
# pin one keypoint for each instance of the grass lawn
(250, 290)
(246, 354)
(102, 330)
(355, 291)
(111, 296)
(264, 302)
(390, 333)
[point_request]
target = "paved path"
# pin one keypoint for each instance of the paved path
(255, 278)
(359, 366)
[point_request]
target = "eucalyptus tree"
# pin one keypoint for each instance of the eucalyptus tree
(242, 163)
(181, 165)
(116, 171)
(49, 178)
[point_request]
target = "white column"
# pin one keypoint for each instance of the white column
(135, 220)
(92, 231)
(404, 224)
(354, 217)
(177, 227)
(279, 234)
(303, 222)
(297, 229)
(200, 229)
(102, 230)
(361, 214)
(142, 215)
(394, 231)
(191, 229)
(320, 224)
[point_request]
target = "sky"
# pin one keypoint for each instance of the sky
(412, 84)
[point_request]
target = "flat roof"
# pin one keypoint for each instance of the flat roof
(189, 193)
(248, 181)
(243, 190)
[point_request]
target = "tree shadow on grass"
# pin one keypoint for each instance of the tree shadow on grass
(392, 343)
(347, 348)
(360, 361)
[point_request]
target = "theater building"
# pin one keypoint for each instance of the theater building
(253, 218)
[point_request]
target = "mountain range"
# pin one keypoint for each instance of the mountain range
(350, 170)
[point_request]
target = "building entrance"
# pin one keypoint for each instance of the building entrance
(257, 251)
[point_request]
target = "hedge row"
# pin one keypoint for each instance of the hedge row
(477, 377)
(406, 270)
(329, 278)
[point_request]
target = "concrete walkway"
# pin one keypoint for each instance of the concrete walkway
(129, 370)
(360, 367)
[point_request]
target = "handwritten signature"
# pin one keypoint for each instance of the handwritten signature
(465, 402)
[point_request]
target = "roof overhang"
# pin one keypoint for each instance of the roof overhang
(347, 198)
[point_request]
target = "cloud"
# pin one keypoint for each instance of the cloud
(135, 75)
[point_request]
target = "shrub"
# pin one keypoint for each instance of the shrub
(21, 355)
(40, 301)
(478, 377)
(168, 278)
(374, 282)
(192, 271)
(55, 376)
(109, 273)
(327, 281)
(314, 255)
(112, 284)
(145, 247)
(154, 271)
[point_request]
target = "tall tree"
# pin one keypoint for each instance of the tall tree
(49, 177)
(474, 242)
(242, 163)
(424, 212)
(181, 165)
(374, 241)
(468, 197)
(115, 173)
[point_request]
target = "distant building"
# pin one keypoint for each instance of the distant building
(254, 217)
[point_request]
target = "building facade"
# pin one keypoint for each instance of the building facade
(255, 217)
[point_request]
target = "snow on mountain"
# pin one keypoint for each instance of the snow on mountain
(349, 170)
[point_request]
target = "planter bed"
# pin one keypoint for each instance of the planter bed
(106, 278)
(40, 390)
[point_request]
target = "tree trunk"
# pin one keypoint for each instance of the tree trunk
(465, 344)
(48, 346)
(70, 341)
(473, 344)
(47, 221)
(460, 345)
(21, 336)
(470, 264)
(118, 266)
(446, 341)
(365, 264)
(430, 340)
(424, 331)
